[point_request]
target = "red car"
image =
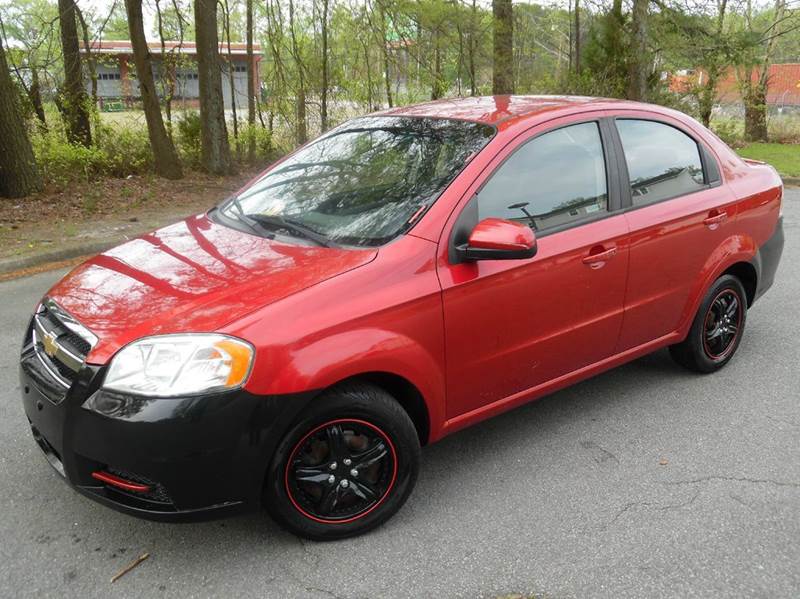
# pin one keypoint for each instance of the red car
(404, 276)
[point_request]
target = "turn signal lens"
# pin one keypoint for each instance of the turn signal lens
(171, 365)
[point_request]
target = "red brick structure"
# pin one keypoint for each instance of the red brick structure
(783, 87)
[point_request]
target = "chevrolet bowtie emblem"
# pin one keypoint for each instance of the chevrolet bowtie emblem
(50, 345)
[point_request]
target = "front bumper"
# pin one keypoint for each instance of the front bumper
(202, 456)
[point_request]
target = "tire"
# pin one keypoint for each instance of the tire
(710, 343)
(313, 487)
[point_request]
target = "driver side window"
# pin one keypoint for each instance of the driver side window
(554, 179)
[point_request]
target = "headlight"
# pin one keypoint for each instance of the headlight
(169, 365)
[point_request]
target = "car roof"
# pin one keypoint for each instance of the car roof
(495, 110)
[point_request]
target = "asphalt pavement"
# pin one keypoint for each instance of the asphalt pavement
(647, 481)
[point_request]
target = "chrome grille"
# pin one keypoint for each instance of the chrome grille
(61, 343)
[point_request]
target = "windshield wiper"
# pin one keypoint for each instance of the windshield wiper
(279, 222)
(242, 217)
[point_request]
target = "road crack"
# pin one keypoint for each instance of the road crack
(652, 505)
(738, 479)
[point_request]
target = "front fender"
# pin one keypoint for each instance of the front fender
(322, 362)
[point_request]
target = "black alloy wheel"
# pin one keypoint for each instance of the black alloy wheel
(341, 470)
(722, 324)
(717, 328)
(346, 466)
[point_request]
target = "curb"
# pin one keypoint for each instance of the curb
(791, 181)
(8, 265)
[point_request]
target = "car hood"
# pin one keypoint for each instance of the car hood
(193, 276)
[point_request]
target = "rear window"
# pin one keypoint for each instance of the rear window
(663, 162)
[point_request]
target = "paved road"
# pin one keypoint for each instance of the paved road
(564, 498)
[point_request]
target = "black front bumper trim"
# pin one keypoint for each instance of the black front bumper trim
(208, 453)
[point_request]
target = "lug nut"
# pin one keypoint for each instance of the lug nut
(347, 461)
(345, 483)
(354, 473)
(331, 479)
(333, 466)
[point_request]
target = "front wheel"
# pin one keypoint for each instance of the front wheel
(346, 467)
(717, 328)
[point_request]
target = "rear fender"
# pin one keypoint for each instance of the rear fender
(736, 248)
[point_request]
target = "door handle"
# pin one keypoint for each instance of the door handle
(714, 220)
(598, 259)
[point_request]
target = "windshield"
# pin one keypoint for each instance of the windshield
(362, 183)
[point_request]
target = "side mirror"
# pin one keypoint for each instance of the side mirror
(499, 239)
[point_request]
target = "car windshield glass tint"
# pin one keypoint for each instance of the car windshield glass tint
(361, 183)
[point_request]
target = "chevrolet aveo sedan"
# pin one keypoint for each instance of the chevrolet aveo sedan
(404, 276)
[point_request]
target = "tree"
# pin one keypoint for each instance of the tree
(605, 55)
(702, 43)
(577, 63)
(323, 97)
(215, 152)
(74, 101)
(639, 58)
(19, 174)
(31, 24)
(164, 154)
(503, 75)
(713, 61)
(300, 101)
(170, 25)
(251, 86)
(226, 22)
(753, 75)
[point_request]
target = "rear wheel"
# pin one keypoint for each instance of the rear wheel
(717, 328)
(346, 467)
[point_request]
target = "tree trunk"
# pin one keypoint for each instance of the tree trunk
(755, 100)
(215, 152)
(471, 49)
(707, 95)
(503, 43)
(437, 87)
(251, 87)
(231, 78)
(705, 99)
(35, 94)
(385, 54)
(577, 37)
(323, 111)
(639, 63)
(300, 100)
(168, 65)
(90, 59)
(74, 95)
(19, 174)
(755, 113)
(164, 154)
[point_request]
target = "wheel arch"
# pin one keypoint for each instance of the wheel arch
(403, 391)
(737, 255)
(747, 274)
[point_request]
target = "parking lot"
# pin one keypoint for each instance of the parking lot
(647, 481)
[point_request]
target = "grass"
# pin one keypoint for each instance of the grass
(784, 157)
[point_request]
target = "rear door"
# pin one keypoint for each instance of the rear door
(511, 325)
(678, 213)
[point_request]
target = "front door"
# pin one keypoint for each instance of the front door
(511, 325)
